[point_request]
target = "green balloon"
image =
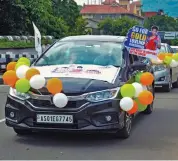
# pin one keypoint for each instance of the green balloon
(141, 107)
(25, 60)
(175, 57)
(127, 90)
(19, 64)
(167, 60)
(137, 77)
(22, 85)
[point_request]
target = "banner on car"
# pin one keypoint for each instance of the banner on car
(142, 42)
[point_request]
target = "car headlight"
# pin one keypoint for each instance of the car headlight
(159, 68)
(102, 95)
(21, 96)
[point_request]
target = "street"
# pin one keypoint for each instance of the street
(153, 137)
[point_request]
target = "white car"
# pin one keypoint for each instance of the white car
(165, 78)
(175, 49)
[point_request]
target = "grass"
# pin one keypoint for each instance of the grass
(21, 44)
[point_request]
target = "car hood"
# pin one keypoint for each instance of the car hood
(78, 81)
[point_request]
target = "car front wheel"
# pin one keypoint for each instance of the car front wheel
(124, 133)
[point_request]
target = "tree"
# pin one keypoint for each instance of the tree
(80, 27)
(68, 10)
(122, 25)
(118, 26)
(107, 26)
(12, 18)
(164, 22)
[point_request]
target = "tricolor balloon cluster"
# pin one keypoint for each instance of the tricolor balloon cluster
(22, 77)
(135, 96)
(169, 59)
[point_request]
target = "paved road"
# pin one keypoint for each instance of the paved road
(153, 137)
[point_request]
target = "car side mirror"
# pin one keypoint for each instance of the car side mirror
(138, 66)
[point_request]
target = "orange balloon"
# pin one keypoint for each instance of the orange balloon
(10, 78)
(161, 56)
(54, 85)
(11, 66)
(31, 72)
(145, 97)
(146, 79)
(134, 109)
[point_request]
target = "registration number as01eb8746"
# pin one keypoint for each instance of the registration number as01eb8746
(55, 119)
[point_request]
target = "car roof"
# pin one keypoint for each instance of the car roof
(102, 38)
(174, 46)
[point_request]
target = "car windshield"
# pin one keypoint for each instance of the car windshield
(163, 49)
(83, 52)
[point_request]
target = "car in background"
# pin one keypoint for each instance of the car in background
(165, 77)
(175, 49)
(94, 104)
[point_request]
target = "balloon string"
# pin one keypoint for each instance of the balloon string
(39, 91)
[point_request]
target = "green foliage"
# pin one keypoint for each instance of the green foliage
(21, 44)
(164, 22)
(118, 26)
(53, 17)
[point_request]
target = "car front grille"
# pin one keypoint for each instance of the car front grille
(49, 104)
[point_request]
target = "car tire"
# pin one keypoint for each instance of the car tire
(175, 84)
(124, 133)
(22, 131)
(168, 87)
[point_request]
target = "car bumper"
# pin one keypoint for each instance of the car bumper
(90, 117)
(161, 78)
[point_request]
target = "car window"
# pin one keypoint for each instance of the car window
(171, 50)
(83, 52)
(163, 49)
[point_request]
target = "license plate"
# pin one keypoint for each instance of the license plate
(55, 119)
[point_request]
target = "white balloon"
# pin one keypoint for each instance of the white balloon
(37, 82)
(138, 88)
(21, 71)
(174, 64)
(126, 103)
(60, 100)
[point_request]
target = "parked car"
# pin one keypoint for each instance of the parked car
(165, 78)
(92, 103)
(175, 49)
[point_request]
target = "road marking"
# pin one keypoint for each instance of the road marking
(2, 120)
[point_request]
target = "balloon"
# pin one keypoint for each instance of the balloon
(25, 60)
(145, 97)
(19, 64)
(137, 77)
(21, 71)
(37, 82)
(173, 63)
(175, 57)
(22, 85)
(31, 72)
(138, 88)
(10, 78)
(60, 100)
(141, 107)
(161, 56)
(126, 103)
(54, 85)
(134, 109)
(167, 60)
(11, 66)
(146, 79)
(127, 90)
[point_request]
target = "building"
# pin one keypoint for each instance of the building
(113, 9)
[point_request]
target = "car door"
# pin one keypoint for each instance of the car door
(175, 69)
